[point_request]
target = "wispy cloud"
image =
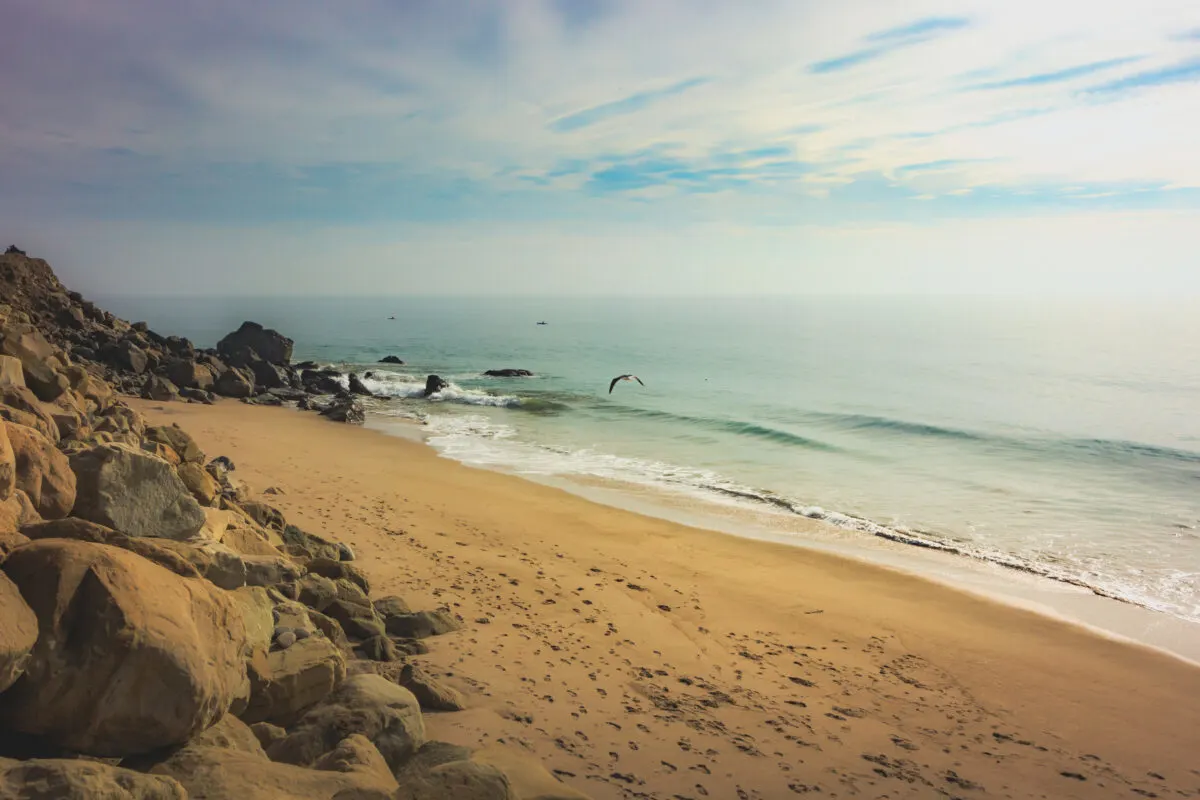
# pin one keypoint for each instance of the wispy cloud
(626, 105)
(1058, 76)
(890, 40)
(1189, 36)
(1185, 72)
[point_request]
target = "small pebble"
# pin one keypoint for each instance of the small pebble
(301, 634)
(286, 640)
(280, 631)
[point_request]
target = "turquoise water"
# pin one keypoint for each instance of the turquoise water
(1055, 437)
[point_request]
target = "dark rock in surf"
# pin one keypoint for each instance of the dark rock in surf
(508, 373)
(345, 409)
(325, 381)
(357, 387)
(434, 384)
(390, 360)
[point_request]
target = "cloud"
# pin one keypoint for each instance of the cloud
(890, 40)
(1058, 76)
(626, 105)
(1185, 72)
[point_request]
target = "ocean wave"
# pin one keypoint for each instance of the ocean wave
(384, 383)
(734, 426)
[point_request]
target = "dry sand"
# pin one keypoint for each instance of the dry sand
(642, 658)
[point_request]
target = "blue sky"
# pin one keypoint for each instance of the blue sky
(602, 146)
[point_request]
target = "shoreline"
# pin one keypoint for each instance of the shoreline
(1074, 603)
(634, 654)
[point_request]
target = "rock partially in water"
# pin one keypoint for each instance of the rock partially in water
(434, 384)
(508, 373)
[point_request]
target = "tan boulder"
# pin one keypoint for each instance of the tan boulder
(190, 375)
(19, 405)
(370, 705)
(78, 779)
(455, 780)
(256, 606)
(286, 683)
(526, 775)
(39, 360)
(130, 657)
(432, 694)
(160, 450)
(9, 541)
(42, 472)
(18, 632)
(249, 540)
(16, 512)
(199, 483)
(178, 440)
(10, 372)
(121, 421)
(81, 530)
(134, 493)
(8, 465)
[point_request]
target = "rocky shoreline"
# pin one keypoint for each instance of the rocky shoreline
(163, 633)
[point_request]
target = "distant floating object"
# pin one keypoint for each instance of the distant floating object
(391, 317)
(543, 323)
(620, 378)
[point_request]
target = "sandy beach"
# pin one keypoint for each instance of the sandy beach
(642, 658)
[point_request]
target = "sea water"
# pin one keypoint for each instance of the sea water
(1056, 437)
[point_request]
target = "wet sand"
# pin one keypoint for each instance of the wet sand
(639, 657)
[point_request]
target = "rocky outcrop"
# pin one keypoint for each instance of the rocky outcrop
(268, 345)
(18, 632)
(285, 683)
(77, 779)
(508, 373)
(434, 384)
(234, 382)
(357, 386)
(129, 656)
(134, 492)
(41, 471)
(8, 464)
(344, 409)
(390, 360)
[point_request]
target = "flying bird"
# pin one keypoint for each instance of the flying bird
(623, 378)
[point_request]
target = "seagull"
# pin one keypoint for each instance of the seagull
(623, 378)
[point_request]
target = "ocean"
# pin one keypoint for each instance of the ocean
(1060, 438)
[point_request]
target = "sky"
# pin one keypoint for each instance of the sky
(604, 147)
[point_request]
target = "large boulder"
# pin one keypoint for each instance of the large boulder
(8, 464)
(188, 374)
(358, 387)
(11, 373)
(178, 440)
(78, 779)
(324, 381)
(434, 384)
(17, 511)
(234, 382)
(122, 422)
(134, 493)
(160, 389)
(508, 373)
(129, 657)
(345, 409)
(19, 405)
(286, 683)
(18, 632)
(421, 624)
(199, 483)
(390, 360)
(370, 705)
(269, 345)
(268, 375)
(39, 361)
(42, 472)
(125, 356)
(80, 530)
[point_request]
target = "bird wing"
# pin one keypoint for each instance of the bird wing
(611, 385)
(636, 378)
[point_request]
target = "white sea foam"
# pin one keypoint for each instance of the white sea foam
(395, 384)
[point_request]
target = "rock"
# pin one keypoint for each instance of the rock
(42, 472)
(285, 640)
(187, 374)
(345, 409)
(285, 683)
(391, 606)
(16, 512)
(356, 754)
(123, 422)
(316, 591)
(309, 545)
(345, 551)
(357, 387)
(268, 375)
(18, 632)
(198, 396)
(134, 493)
(247, 539)
(429, 691)
(214, 773)
(11, 373)
(351, 592)
(421, 624)
(125, 356)
(270, 570)
(508, 373)
(460, 780)
(255, 605)
(390, 360)
(234, 382)
(9, 541)
(129, 658)
(335, 570)
(378, 648)
(358, 621)
(80, 530)
(267, 734)
(8, 464)
(77, 779)
(178, 440)
(160, 389)
(434, 384)
(326, 381)
(197, 481)
(386, 714)
(39, 362)
(269, 345)
(21, 406)
(160, 450)
(330, 628)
